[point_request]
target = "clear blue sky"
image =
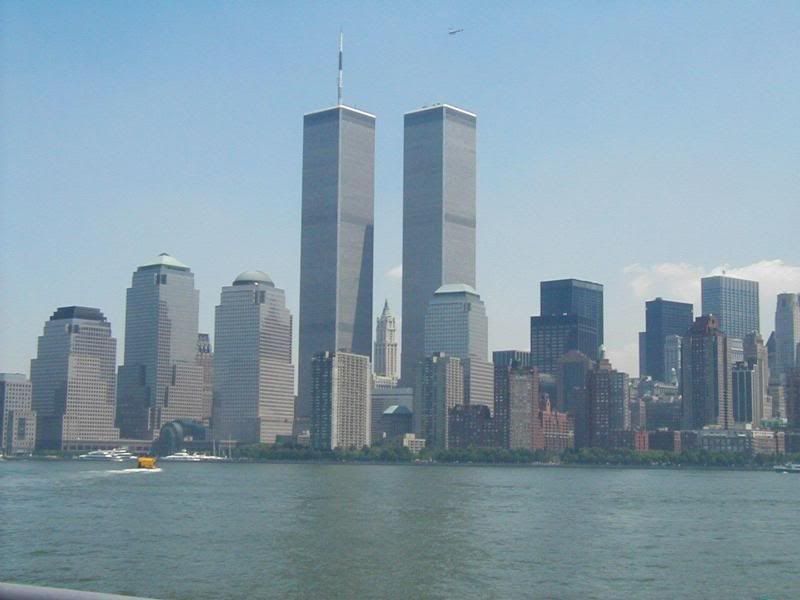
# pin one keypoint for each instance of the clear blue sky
(638, 144)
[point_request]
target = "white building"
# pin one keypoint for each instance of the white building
(341, 400)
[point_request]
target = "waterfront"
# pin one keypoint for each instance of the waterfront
(379, 531)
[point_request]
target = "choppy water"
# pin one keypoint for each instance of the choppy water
(204, 530)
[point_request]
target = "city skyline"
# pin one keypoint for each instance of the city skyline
(168, 212)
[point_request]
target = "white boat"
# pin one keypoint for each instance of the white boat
(102, 455)
(182, 456)
(787, 468)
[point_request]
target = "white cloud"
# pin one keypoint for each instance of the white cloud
(395, 272)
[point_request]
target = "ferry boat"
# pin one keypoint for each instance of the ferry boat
(182, 456)
(103, 455)
(787, 468)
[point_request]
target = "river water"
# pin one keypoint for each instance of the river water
(203, 530)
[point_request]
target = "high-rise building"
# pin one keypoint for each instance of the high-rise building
(253, 371)
(516, 404)
(593, 419)
(663, 318)
(672, 358)
(17, 418)
(160, 379)
(508, 358)
(336, 240)
(642, 353)
(787, 334)
(385, 355)
(744, 392)
(755, 354)
(456, 324)
(552, 336)
(74, 380)
(553, 430)
(706, 376)
(438, 388)
(792, 399)
(572, 370)
(574, 297)
(439, 196)
(341, 401)
(470, 427)
(734, 303)
(205, 358)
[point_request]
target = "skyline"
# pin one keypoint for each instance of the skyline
(201, 147)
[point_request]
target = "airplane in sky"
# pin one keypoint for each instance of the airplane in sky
(453, 31)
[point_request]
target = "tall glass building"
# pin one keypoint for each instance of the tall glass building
(663, 318)
(439, 195)
(253, 371)
(787, 334)
(734, 302)
(74, 381)
(336, 240)
(160, 379)
(574, 297)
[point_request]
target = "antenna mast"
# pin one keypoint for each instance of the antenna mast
(341, 48)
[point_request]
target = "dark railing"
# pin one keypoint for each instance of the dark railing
(13, 591)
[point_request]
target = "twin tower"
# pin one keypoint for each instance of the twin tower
(336, 262)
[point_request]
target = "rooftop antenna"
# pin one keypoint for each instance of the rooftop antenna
(341, 48)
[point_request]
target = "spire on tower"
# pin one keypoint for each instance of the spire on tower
(341, 49)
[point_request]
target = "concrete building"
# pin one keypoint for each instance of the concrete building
(755, 354)
(341, 393)
(385, 353)
(253, 371)
(470, 426)
(552, 336)
(787, 334)
(791, 391)
(439, 199)
(553, 430)
(642, 337)
(733, 302)
(672, 359)
(205, 358)
(508, 358)
(605, 408)
(336, 246)
(664, 318)
(74, 380)
(706, 376)
(160, 379)
(438, 388)
(574, 297)
(456, 324)
(394, 423)
(745, 389)
(572, 370)
(17, 418)
(382, 399)
(516, 404)
(413, 443)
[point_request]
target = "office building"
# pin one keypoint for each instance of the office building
(553, 336)
(553, 430)
(642, 337)
(341, 401)
(574, 297)
(385, 354)
(744, 392)
(572, 371)
(593, 421)
(787, 334)
(733, 302)
(470, 426)
(394, 423)
(755, 354)
(205, 358)
(672, 359)
(706, 376)
(336, 245)
(456, 324)
(160, 379)
(17, 418)
(509, 358)
(663, 318)
(253, 371)
(438, 388)
(74, 380)
(792, 398)
(384, 398)
(516, 404)
(439, 198)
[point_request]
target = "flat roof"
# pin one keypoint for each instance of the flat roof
(442, 105)
(343, 106)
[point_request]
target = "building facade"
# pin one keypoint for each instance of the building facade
(74, 380)
(385, 353)
(205, 358)
(439, 199)
(672, 359)
(574, 297)
(253, 371)
(17, 418)
(733, 302)
(438, 388)
(160, 379)
(341, 406)
(706, 376)
(755, 354)
(787, 334)
(336, 246)
(554, 335)
(573, 369)
(664, 318)
(516, 404)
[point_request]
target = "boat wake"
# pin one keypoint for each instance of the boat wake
(134, 470)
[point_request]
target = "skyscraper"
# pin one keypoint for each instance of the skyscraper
(439, 386)
(593, 420)
(787, 333)
(439, 192)
(574, 297)
(552, 336)
(672, 358)
(456, 324)
(516, 405)
(755, 354)
(17, 418)
(205, 358)
(734, 303)
(74, 380)
(706, 376)
(744, 392)
(160, 379)
(663, 318)
(253, 371)
(340, 408)
(336, 240)
(572, 371)
(508, 358)
(385, 355)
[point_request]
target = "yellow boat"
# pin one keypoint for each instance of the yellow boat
(146, 462)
